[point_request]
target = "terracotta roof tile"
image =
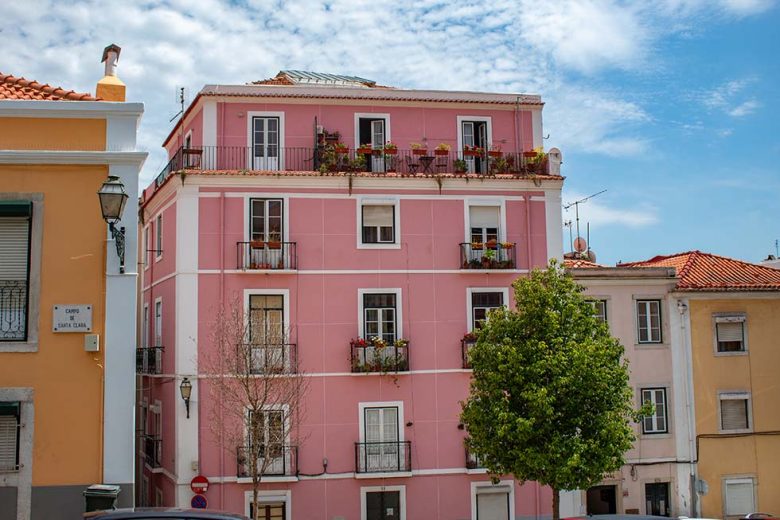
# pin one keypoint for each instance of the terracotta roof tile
(577, 263)
(698, 271)
(12, 87)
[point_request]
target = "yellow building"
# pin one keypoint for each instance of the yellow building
(67, 313)
(732, 310)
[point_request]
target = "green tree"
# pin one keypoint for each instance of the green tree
(549, 398)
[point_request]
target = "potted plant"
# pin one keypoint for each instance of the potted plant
(474, 263)
(333, 137)
(477, 246)
(472, 151)
(341, 148)
(507, 245)
(460, 166)
(495, 150)
(391, 148)
(470, 337)
(491, 244)
(418, 149)
(488, 258)
(257, 244)
(529, 154)
(442, 149)
(365, 149)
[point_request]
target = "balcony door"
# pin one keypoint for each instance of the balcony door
(266, 231)
(266, 440)
(475, 134)
(265, 143)
(383, 505)
(373, 131)
(382, 451)
(267, 334)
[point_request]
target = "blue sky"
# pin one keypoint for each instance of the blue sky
(669, 105)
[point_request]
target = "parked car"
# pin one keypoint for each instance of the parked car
(759, 516)
(160, 513)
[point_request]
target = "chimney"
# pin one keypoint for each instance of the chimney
(111, 88)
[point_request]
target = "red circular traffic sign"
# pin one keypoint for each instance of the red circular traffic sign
(199, 484)
(199, 502)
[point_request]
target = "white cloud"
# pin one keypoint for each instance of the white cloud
(747, 7)
(729, 96)
(743, 109)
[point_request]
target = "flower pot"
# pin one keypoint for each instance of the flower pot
(257, 244)
(495, 154)
(470, 153)
(274, 245)
(377, 153)
(342, 150)
(364, 151)
(529, 154)
(441, 152)
(391, 151)
(420, 151)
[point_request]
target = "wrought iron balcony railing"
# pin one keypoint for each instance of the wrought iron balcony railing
(272, 460)
(475, 255)
(330, 158)
(259, 254)
(153, 450)
(267, 358)
(379, 457)
(13, 310)
(370, 356)
(148, 360)
(466, 343)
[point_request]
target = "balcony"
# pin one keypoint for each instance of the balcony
(13, 310)
(375, 355)
(468, 341)
(334, 158)
(153, 450)
(476, 255)
(274, 460)
(148, 360)
(383, 457)
(268, 358)
(472, 461)
(259, 255)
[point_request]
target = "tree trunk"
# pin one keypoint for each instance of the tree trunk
(556, 505)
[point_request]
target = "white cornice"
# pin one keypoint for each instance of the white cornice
(70, 109)
(71, 157)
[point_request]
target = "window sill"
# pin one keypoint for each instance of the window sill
(728, 432)
(477, 471)
(731, 354)
(649, 346)
(379, 246)
(384, 474)
(19, 346)
(653, 436)
(267, 479)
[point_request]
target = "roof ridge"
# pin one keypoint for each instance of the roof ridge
(21, 88)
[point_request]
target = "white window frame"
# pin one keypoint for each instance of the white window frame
(738, 480)
(481, 119)
(284, 293)
(381, 489)
(488, 487)
(661, 320)
(736, 395)
(473, 202)
(147, 246)
(600, 299)
(266, 496)
(285, 213)
(145, 326)
(286, 429)
(371, 115)
(379, 201)
(655, 433)
(727, 318)
(399, 316)
(250, 115)
(469, 308)
(158, 237)
(158, 327)
(380, 404)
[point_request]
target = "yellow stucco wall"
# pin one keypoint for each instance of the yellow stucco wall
(67, 381)
(29, 133)
(757, 372)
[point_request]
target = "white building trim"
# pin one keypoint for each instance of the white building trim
(369, 200)
(266, 496)
(502, 486)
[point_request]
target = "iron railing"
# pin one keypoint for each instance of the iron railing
(267, 358)
(472, 461)
(148, 360)
(259, 254)
(367, 357)
(474, 255)
(153, 450)
(378, 457)
(13, 310)
(331, 159)
(272, 460)
(465, 347)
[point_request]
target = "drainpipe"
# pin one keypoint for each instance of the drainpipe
(682, 308)
(222, 299)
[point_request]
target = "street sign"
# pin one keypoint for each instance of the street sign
(199, 484)
(72, 318)
(199, 502)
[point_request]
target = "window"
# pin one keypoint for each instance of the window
(484, 223)
(374, 129)
(378, 222)
(266, 142)
(147, 246)
(159, 236)
(648, 317)
(738, 496)
(9, 436)
(383, 505)
(657, 422)
(15, 226)
(734, 411)
(269, 511)
(481, 304)
(379, 316)
(145, 327)
(266, 438)
(730, 334)
(267, 336)
(158, 323)
(600, 309)
(266, 220)
(382, 449)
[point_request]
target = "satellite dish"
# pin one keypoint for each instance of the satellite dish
(580, 244)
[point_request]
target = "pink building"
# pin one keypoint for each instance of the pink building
(325, 242)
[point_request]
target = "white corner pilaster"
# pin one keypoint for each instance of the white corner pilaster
(554, 224)
(210, 133)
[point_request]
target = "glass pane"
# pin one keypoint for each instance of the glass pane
(386, 234)
(379, 300)
(490, 300)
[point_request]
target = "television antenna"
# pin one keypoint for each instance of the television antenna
(576, 205)
(181, 98)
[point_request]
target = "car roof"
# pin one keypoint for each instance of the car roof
(162, 512)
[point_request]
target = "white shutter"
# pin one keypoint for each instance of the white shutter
(730, 331)
(373, 425)
(493, 506)
(378, 215)
(14, 246)
(483, 216)
(8, 433)
(733, 414)
(739, 497)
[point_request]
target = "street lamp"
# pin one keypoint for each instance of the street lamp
(186, 391)
(112, 203)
